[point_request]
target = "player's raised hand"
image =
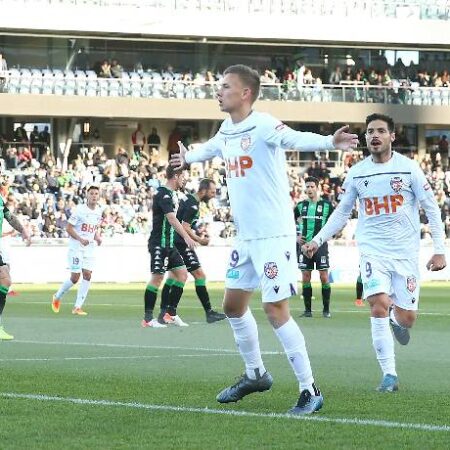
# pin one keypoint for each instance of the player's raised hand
(437, 262)
(309, 249)
(344, 140)
(178, 160)
(190, 242)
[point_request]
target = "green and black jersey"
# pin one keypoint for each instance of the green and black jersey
(189, 212)
(163, 234)
(311, 217)
(4, 214)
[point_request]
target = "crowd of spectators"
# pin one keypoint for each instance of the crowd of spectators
(44, 196)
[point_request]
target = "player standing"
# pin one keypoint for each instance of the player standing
(5, 277)
(311, 215)
(164, 255)
(389, 188)
(84, 236)
(252, 145)
(188, 214)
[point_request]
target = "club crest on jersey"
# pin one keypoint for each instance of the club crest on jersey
(271, 270)
(246, 141)
(411, 283)
(396, 184)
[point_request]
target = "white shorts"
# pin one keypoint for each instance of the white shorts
(81, 258)
(399, 278)
(270, 264)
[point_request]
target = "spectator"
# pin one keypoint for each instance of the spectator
(154, 142)
(336, 76)
(105, 70)
(34, 140)
(116, 69)
(81, 59)
(20, 134)
(138, 141)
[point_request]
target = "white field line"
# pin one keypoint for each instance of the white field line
(137, 346)
(94, 358)
(345, 311)
(232, 413)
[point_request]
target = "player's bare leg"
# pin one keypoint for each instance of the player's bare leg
(83, 290)
(293, 342)
(5, 283)
(326, 293)
(56, 299)
(203, 295)
(383, 341)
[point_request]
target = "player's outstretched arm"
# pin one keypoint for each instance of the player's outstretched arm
(17, 225)
(204, 152)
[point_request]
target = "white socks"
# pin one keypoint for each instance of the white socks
(383, 343)
(293, 342)
(64, 288)
(246, 336)
(82, 292)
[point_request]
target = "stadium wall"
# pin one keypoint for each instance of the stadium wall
(185, 109)
(120, 262)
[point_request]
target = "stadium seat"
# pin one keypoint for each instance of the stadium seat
(125, 84)
(135, 80)
(91, 87)
(48, 81)
(103, 86)
(13, 81)
(69, 82)
(36, 81)
(80, 82)
(25, 81)
(114, 88)
(59, 81)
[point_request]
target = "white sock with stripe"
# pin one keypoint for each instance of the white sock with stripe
(383, 343)
(63, 289)
(82, 292)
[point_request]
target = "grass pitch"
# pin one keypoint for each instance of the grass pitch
(104, 382)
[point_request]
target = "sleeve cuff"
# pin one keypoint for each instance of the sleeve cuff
(329, 143)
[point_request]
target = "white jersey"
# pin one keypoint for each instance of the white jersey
(388, 196)
(256, 171)
(85, 222)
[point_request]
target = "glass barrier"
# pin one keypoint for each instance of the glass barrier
(153, 85)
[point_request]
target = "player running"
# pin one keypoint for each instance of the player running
(188, 214)
(164, 255)
(84, 237)
(311, 215)
(252, 145)
(389, 188)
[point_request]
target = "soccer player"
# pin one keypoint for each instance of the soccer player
(252, 145)
(5, 277)
(311, 215)
(164, 255)
(188, 214)
(84, 236)
(389, 188)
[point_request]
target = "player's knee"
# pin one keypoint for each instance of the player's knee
(87, 276)
(74, 278)
(407, 318)
(181, 275)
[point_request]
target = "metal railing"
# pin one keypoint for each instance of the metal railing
(149, 85)
(419, 9)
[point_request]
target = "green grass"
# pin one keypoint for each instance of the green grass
(187, 367)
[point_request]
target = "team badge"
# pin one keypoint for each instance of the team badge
(319, 208)
(411, 284)
(271, 270)
(366, 183)
(276, 289)
(288, 255)
(396, 184)
(246, 141)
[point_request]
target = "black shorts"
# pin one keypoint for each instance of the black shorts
(320, 260)
(163, 259)
(189, 256)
